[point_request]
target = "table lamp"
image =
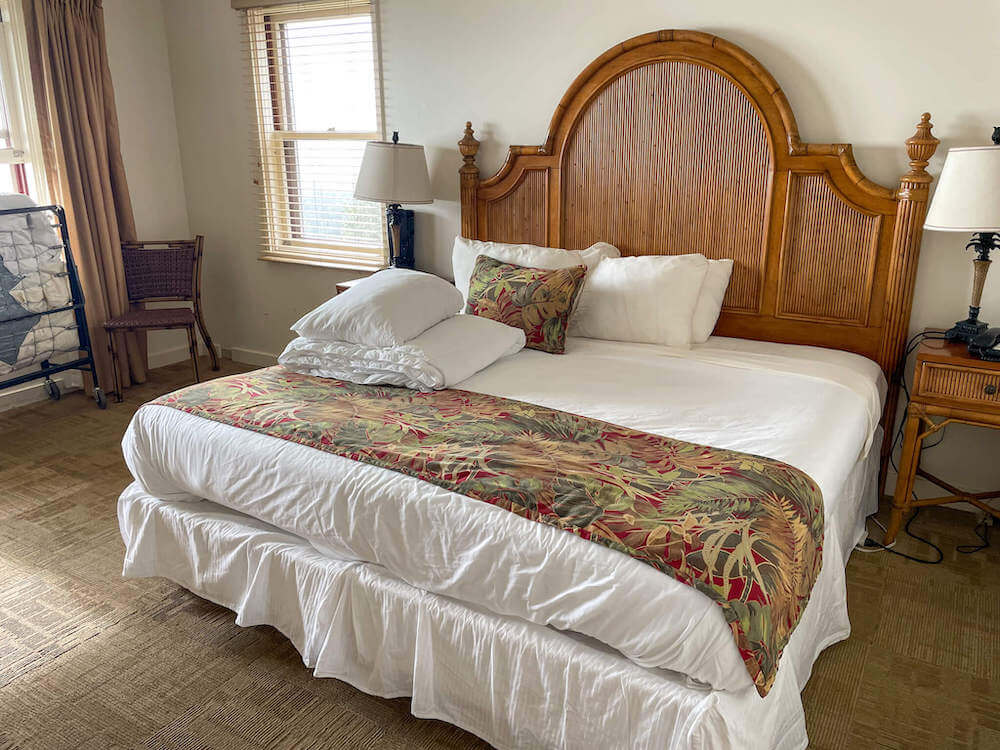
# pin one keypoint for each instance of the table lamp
(967, 199)
(395, 173)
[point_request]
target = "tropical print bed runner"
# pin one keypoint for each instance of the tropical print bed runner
(745, 531)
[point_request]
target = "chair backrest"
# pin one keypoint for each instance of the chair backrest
(162, 270)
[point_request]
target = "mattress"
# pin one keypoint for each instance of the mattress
(814, 409)
(33, 280)
(513, 683)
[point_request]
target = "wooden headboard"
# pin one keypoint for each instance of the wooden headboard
(678, 142)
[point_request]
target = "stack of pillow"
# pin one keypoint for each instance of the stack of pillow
(398, 327)
(671, 300)
(403, 327)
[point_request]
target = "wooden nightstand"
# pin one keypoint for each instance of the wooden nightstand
(343, 286)
(949, 386)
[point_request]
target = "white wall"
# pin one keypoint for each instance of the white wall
(857, 71)
(249, 303)
(140, 71)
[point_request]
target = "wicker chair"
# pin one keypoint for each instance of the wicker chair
(161, 272)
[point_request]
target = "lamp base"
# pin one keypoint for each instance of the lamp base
(400, 222)
(966, 330)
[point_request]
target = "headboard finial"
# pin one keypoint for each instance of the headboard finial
(920, 147)
(469, 176)
(469, 147)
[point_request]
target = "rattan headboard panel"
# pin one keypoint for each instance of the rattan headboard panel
(519, 216)
(677, 142)
(826, 275)
(643, 167)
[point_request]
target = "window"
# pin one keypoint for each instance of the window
(20, 147)
(318, 95)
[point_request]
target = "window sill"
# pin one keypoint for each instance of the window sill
(319, 261)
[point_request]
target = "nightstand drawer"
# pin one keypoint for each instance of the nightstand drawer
(959, 383)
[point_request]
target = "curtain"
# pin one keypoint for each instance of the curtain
(78, 124)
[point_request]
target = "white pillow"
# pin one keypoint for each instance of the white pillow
(648, 299)
(465, 252)
(388, 308)
(713, 290)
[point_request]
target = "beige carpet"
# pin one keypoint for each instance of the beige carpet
(89, 660)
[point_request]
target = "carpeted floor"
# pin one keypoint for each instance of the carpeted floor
(89, 660)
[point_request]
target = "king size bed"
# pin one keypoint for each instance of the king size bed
(524, 634)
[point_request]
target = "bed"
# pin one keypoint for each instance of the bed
(518, 632)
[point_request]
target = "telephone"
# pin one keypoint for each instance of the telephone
(986, 345)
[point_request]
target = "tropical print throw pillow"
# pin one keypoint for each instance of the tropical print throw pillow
(536, 300)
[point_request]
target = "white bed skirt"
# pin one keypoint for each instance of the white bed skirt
(513, 683)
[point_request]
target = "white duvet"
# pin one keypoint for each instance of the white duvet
(440, 357)
(446, 543)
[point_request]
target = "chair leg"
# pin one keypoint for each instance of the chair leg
(114, 365)
(206, 338)
(193, 347)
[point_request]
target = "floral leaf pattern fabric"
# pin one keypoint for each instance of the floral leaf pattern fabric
(744, 530)
(536, 300)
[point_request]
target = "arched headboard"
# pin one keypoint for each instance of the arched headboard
(677, 142)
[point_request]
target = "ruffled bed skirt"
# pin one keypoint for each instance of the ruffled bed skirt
(513, 683)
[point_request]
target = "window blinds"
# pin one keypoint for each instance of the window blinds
(316, 88)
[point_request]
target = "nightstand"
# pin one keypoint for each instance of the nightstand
(343, 286)
(949, 386)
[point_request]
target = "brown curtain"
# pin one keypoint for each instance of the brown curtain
(75, 102)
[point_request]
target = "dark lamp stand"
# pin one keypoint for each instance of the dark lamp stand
(400, 221)
(968, 329)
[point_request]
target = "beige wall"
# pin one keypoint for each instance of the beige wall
(860, 71)
(137, 56)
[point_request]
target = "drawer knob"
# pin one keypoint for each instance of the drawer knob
(989, 389)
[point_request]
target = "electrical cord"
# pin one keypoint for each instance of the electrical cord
(900, 375)
(982, 530)
(869, 543)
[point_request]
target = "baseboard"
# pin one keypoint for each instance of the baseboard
(250, 356)
(173, 355)
(33, 392)
(236, 353)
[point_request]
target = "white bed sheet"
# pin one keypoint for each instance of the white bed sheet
(442, 542)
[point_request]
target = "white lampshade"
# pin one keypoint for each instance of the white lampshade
(393, 173)
(967, 198)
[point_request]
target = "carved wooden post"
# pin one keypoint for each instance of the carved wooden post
(469, 174)
(912, 195)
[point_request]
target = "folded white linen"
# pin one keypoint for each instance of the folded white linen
(444, 354)
(386, 309)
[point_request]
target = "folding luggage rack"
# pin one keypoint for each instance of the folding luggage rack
(18, 322)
